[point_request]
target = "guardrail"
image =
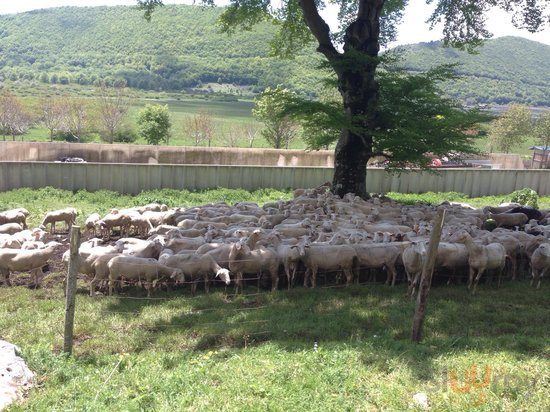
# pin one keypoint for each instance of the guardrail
(133, 178)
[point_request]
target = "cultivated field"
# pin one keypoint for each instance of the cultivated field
(329, 348)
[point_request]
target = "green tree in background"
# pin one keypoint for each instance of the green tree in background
(269, 108)
(541, 129)
(154, 123)
(511, 129)
(352, 55)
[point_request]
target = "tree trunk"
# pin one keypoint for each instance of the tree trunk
(356, 69)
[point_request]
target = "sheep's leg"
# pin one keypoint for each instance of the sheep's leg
(514, 262)
(111, 286)
(275, 280)
(541, 275)
(238, 282)
(306, 277)
(289, 278)
(313, 277)
(479, 273)
(193, 287)
(293, 277)
(6, 276)
(349, 276)
(393, 273)
(471, 277)
(206, 284)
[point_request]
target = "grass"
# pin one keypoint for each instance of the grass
(225, 114)
(214, 352)
(326, 349)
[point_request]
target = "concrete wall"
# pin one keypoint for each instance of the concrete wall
(124, 153)
(134, 178)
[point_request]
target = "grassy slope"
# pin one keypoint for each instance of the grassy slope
(256, 352)
(505, 70)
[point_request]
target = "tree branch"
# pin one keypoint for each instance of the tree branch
(319, 28)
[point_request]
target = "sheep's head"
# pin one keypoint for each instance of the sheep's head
(544, 249)
(223, 274)
(178, 275)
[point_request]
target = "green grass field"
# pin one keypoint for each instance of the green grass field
(324, 349)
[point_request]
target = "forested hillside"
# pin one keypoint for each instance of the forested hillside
(506, 70)
(181, 47)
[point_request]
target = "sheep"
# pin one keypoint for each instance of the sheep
(509, 220)
(243, 260)
(91, 223)
(10, 228)
(101, 269)
(413, 261)
(378, 256)
(140, 248)
(450, 256)
(194, 267)
(189, 243)
(220, 253)
(327, 257)
(136, 268)
(165, 254)
(481, 258)
(540, 264)
(289, 256)
(141, 224)
(115, 219)
(26, 261)
(14, 216)
(67, 215)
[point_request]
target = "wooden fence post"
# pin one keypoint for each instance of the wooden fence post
(426, 280)
(71, 290)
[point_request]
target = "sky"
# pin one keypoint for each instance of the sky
(410, 31)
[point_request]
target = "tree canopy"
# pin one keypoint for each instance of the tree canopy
(154, 123)
(352, 55)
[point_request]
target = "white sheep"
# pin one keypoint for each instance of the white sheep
(379, 255)
(540, 264)
(243, 260)
(10, 228)
(91, 223)
(14, 216)
(327, 257)
(193, 267)
(26, 261)
(509, 220)
(67, 215)
(146, 270)
(481, 258)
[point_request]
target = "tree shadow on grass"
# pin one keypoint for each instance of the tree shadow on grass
(375, 320)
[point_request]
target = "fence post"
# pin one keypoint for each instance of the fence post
(71, 290)
(426, 280)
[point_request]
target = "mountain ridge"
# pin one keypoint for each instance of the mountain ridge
(181, 49)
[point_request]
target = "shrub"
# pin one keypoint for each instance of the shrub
(126, 135)
(525, 196)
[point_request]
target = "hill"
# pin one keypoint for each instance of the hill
(180, 48)
(505, 70)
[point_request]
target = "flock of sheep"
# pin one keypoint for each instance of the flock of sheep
(315, 231)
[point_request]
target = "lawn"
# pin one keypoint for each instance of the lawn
(324, 349)
(304, 349)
